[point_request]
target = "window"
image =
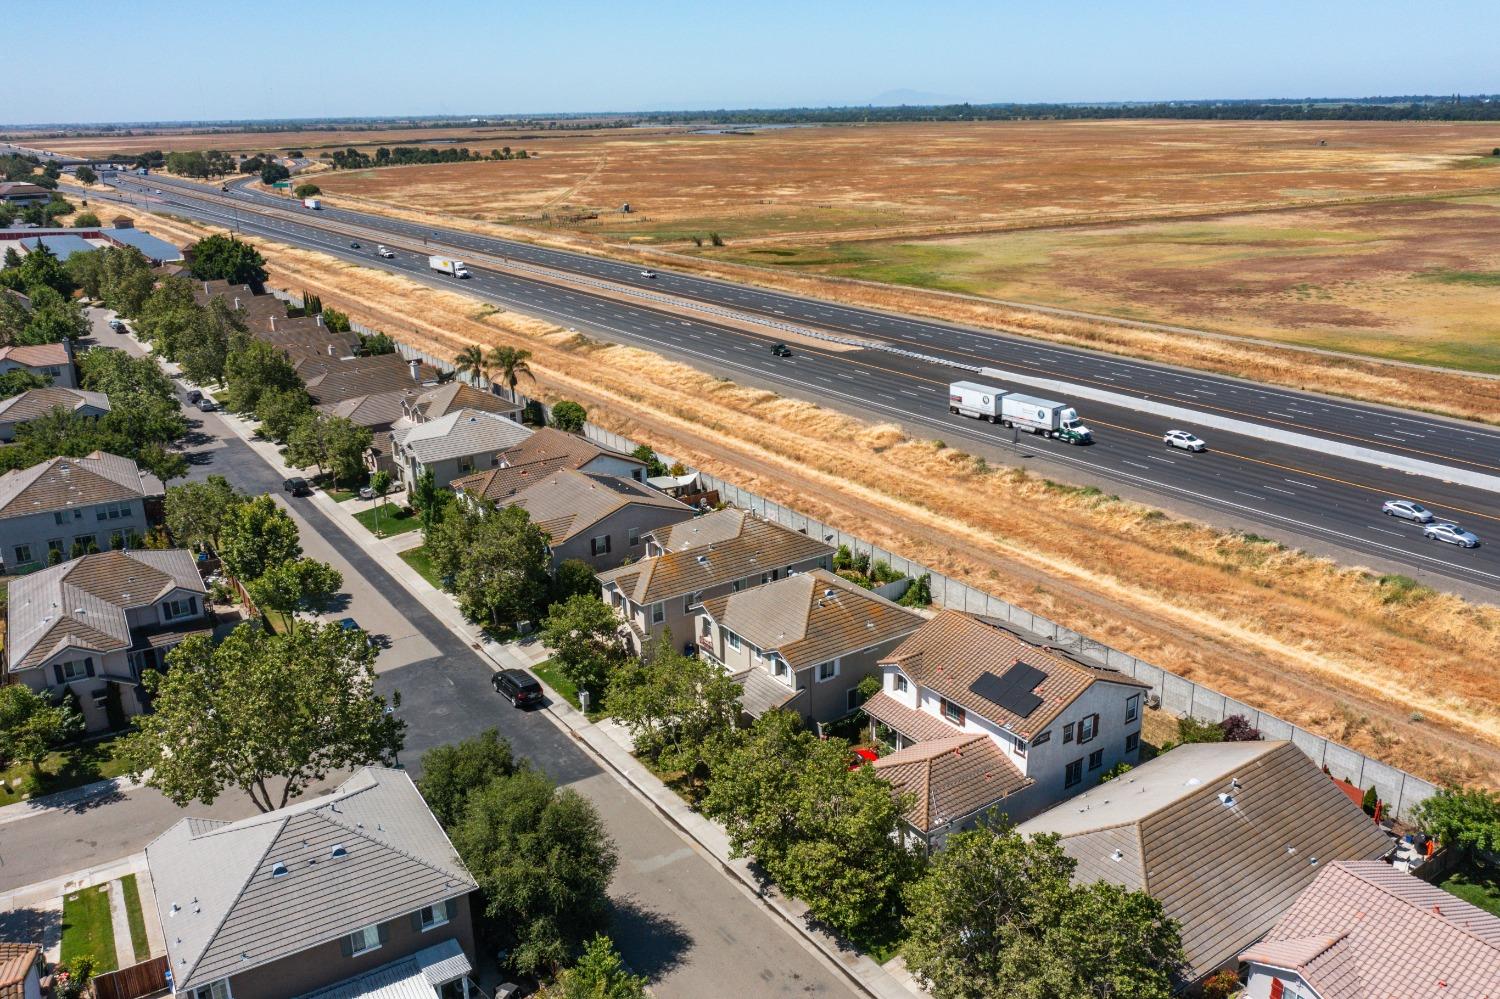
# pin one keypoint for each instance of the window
(179, 608)
(1088, 728)
(599, 545)
(734, 640)
(78, 669)
(466, 463)
(214, 990)
(851, 698)
(433, 916)
(778, 666)
(1074, 773)
(1043, 737)
(1096, 759)
(828, 670)
(110, 511)
(692, 601)
(1132, 742)
(952, 711)
(54, 545)
(23, 554)
(1133, 708)
(901, 684)
(658, 612)
(633, 536)
(1068, 732)
(363, 941)
(1020, 747)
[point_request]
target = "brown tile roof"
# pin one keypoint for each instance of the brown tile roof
(1225, 835)
(331, 380)
(549, 443)
(444, 399)
(206, 291)
(811, 617)
(16, 962)
(762, 692)
(916, 725)
(36, 355)
(38, 402)
(19, 188)
(951, 778)
(61, 483)
(1364, 930)
(380, 410)
(952, 651)
(710, 550)
(499, 484)
(567, 502)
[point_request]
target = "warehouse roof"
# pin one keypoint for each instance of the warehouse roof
(62, 246)
(154, 249)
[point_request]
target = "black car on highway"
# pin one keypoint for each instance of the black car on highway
(781, 350)
(519, 686)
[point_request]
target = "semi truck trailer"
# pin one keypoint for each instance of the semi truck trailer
(997, 405)
(312, 203)
(982, 402)
(448, 266)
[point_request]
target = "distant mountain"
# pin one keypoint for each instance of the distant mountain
(912, 98)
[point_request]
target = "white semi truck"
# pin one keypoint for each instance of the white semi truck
(312, 203)
(448, 266)
(998, 405)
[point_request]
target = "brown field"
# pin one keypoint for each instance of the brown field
(1328, 647)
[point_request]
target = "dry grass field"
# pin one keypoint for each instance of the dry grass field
(1398, 671)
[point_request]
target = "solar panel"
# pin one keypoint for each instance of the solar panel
(1013, 691)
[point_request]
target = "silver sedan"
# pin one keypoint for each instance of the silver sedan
(1406, 510)
(1452, 534)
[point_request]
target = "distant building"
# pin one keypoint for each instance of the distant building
(34, 403)
(17, 192)
(49, 360)
(65, 242)
(63, 507)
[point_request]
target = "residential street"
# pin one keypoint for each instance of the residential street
(680, 920)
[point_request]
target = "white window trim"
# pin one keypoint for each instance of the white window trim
(439, 912)
(732, 639)
(837, 668)
(207, 991)
(364, 932)
(658, 606)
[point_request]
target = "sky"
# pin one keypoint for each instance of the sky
(162, 60)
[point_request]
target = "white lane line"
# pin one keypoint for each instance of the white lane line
(1278, 489)
(1136, 464)
(1384, 531)
(910, 393)
(1304, 485)
(1239, 492)
(1157, 457)
(1284, 416)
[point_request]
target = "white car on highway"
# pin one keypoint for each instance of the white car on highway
(1184, 440)
(648, 273)
(386, 252)
(1452, 534)
(1406, 510)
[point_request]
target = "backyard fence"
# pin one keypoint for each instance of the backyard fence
(148, 978)
(1183, 697)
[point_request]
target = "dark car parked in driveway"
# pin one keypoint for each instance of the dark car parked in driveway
(521, 687)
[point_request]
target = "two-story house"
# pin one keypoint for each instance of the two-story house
(599, 519)
(454, 445)
(94, 625)
(546, 451)
(684, 564)
(983, 722)
(356, 893)
(33, 403)
(50, 360)
(63, 508)
(802, 643)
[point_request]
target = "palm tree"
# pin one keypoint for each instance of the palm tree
(470, 361)
(510, 363)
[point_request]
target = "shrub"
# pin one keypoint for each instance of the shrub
(1371, 799)
(1237, 728)
(1190, 729)
(1221, 985)
(919, 593)
(569, 416)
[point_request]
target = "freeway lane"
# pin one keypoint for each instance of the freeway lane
(1403, 432)
(1286, 492)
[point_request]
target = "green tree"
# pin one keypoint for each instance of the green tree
(302, 585)
(574, 577)
(376, 345)
(86, 175)
(273, 172)
(678, 708)
(166, 314)
(451, 773)
(543, 862)
(204, 344)
(197, 511)
(332, 443)
(427, 498)
(117, 374)
(503, 576)
(584, 636)
(86, 220)
(1466, 819)
(53, 319)
(18, 380)
(335, 320)
(508, 364)
(654, 465)
(380, 484)
(1190, 729)
(600, 973)
(307, 190)
(253, 366)
(256, 536)
(569, 416)
(997, 914)
(225, 258)
(470, 361)
(280, 410)
(260, 710)
(31, 726)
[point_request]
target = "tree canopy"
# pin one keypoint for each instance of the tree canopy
(1468, 819)
(570, 416)
(679, 709)
(600, 974)
(302, 585)
(450, 773)
(495, 561)
(225, 258)
(584, 636)
(31, 726)
(197, 511)
(255, 536)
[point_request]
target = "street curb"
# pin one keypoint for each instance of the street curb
(32, 807)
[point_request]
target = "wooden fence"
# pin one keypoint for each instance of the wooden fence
(148, 978)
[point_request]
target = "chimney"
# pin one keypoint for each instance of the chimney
(273, 324)
(416, 369)
(330, 350)
(236, 301)
(318, 319)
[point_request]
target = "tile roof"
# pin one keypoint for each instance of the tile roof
(36, 355)
(16, 962)
(550, 443)
(1364, 930)
(461, 433)
(331, 379)
(62, 483)
(1226, 868)
(951, 778)
(911, 723)
(226, 909)
(952, 651)
(567, 502)
(811, 617)
(710, 550)
(499, 484)
(379, 410)
(763, 692)
(444, 399)
(84, 603)
(38, 402)
(19, 188)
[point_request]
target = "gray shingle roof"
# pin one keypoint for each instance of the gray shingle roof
(225, 909)
(567, 503)
(63, 483)
(461, 433)
(37, 402)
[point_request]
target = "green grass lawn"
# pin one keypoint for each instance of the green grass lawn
(1475, 884)
(393, 520)
(418, 560)
(138, 942)
(68, 767)
(549, 675)
(87, 928)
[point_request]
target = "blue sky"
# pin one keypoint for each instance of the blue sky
(165, 59)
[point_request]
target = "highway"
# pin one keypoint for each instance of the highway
(1288, 493)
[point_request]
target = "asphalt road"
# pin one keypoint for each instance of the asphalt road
(678, 918)
(1283, 492)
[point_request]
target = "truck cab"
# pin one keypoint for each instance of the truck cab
(1071, 429)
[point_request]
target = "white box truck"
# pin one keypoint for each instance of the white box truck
(312, 203)
(448, 266)
(1043, 416)
(982, 402)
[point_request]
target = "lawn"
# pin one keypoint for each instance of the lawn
(393, 520)
(68, 767)
(138, 941)
(87, 928)
(418, 559)
(549, 675)
(1475, 884)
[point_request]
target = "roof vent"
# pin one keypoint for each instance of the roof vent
(339, 850)
(1117, 855)
(703, 560)
(1226, 799)
(828, 592)
(1191, 782)
(1312, 861)
(1234, 782)
(278, 870)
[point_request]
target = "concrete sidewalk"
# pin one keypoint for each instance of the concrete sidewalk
(34, 912)
(608, 741)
